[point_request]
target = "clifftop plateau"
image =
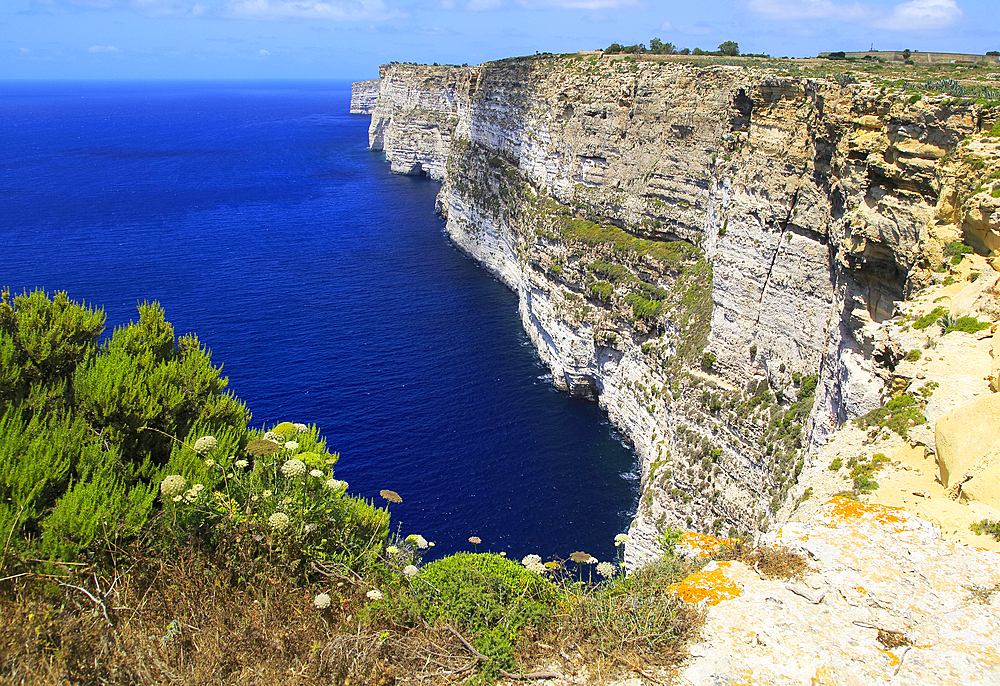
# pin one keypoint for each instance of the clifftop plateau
(734, 260)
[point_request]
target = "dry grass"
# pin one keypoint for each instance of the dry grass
(188, 616)
(770, 562)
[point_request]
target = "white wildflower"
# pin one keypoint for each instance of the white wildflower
(334, 484)
(173, 485)
(421, 542)
(279, 521)
(530, 559)
(621, 539)
(316, 473)
(392, 550)
(300, 427)
(190, 495)
(537, 567)
(309, 528)
(293, 468)
(321, 601)
(606, 569)
(591, 561)
(265, 494)
(374, 594)
(241, 464)
(204, 444)
(291, 445)
(410, 570)
(177, 498)
(209, 462)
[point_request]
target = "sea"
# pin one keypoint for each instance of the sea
(326, 288)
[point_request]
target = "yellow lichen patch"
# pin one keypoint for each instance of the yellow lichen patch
(710, 584)
(825, 676)
(703, 545)
(846, 509)
(893, 660)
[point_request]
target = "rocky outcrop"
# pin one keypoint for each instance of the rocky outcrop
(364, 95)
(883, 600)
(710, 252)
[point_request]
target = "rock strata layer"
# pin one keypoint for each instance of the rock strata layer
(709, 252)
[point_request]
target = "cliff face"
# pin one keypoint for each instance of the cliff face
(708, 252)
(364, 95)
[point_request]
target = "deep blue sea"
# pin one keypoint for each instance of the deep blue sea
(254, 212)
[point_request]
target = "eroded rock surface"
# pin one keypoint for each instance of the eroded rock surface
(710, 252)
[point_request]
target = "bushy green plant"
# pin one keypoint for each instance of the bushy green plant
(968, 325)
(986, 526)
(601, 290)
(899, 414)
(913, 356)
(87, 429)
(929, 318)
(478, 592)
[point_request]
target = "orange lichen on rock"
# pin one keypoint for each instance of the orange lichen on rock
(703, 545)
(710, 584)
(846, 509)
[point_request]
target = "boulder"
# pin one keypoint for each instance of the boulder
(968, 442)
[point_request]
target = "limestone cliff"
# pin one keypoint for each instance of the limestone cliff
(364, 95)
(707, 251)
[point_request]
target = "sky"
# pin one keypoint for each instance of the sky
(348, 39)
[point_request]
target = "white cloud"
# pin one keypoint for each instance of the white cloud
(335, 10)
(810, 9)
(915, 15)
(264, 53)
(578, 4)
(482, 5)
(103, 48)
(920, 15)
(163, 8)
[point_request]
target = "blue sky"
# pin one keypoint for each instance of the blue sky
(350, 38)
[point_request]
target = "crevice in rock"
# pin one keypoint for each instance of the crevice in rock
(777, 249)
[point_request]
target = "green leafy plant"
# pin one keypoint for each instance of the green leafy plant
(986, 527)
(899, 414)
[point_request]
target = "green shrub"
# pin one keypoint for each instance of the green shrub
(929, 318)
(899, 414)
(808, 386)
(495, 600)
(88, 430)
(836, 464)
(708, 361)
(601, 290)
(968, 325)
(913, 356)
(643, 308)
(986, 526)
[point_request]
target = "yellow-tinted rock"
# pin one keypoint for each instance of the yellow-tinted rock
(984, 486)
(966, 437)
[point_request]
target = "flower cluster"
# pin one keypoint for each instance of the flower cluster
(300, 427)
(335, 484)
(291, 445)
(410, 570)
(321, 601)
(374, 594)
(316, 474)
(279, 521)
(173, 485)
(606, 569)
(621, 539)
(293, 468)
(241, 464)
(205, 444)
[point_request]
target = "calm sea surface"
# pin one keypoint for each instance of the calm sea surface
(325, 286)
